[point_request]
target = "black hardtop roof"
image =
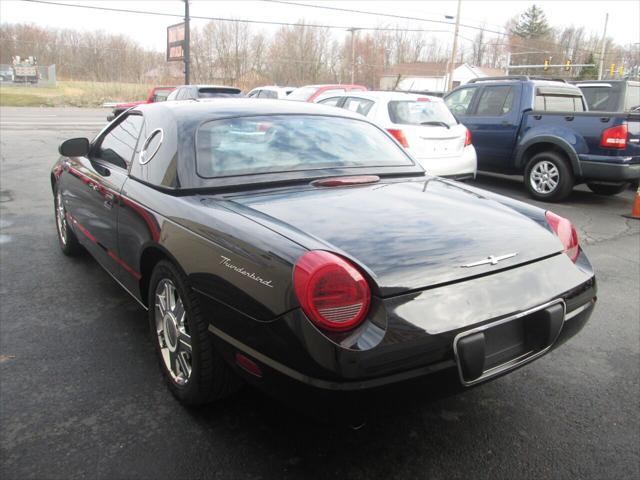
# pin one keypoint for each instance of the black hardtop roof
(197, 111)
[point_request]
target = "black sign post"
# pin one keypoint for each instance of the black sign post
(187, 34)
(178, 43)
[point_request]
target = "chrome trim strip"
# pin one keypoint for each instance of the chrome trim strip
(579, 310)
(142, 159)
(511, 364)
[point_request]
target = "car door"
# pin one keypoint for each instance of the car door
(98, 181)
(461, 101)
(494, 121)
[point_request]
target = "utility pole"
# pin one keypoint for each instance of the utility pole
(187, 35)
(454, 50)
(602, 48)
(353, 31)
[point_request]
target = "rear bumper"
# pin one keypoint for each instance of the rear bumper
(414, 335)
(610, 172)
(461, 167)
(573, 323)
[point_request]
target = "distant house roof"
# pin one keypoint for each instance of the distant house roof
(418, 69)
(436, 69)
(486, 71)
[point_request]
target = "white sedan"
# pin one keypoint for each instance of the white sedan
(422, 124)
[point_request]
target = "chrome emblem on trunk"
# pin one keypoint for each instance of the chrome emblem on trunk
(490, 259)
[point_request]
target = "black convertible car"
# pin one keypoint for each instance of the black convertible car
(296, 245)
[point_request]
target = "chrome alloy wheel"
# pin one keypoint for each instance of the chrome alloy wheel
(544, 177)
(61, 219)
(172, 331)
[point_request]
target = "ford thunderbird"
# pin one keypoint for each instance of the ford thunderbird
(299, 246)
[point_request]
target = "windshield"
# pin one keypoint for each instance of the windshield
(420, 112)
(285, 143)
(302, 94)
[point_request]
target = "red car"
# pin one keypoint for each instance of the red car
(156, 94)
(314, 93)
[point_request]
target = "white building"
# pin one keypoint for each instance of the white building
(431, 76)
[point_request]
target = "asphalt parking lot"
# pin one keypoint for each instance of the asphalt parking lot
(81, 395)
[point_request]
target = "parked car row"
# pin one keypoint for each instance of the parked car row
(538, 127)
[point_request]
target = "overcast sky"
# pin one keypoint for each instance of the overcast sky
(150, 31)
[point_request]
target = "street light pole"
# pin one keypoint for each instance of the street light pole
(353, 31)
(602, 48)
(454, 50)
(187, 35)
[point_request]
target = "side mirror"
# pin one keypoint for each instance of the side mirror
(74, 147)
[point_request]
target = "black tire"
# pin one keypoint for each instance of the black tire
(562, 175)
(66, 237)
(210, 377)
(604, 189)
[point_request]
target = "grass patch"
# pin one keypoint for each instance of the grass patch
(72, 94)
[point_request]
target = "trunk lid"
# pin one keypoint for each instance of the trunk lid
(434, 141)
(407, 235)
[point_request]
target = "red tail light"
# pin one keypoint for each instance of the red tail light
(566, 232)
(467, 138)
(399, 136)
(332, 292)
(614, 137)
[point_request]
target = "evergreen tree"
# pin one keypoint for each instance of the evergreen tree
(589, 73)
(532, 24)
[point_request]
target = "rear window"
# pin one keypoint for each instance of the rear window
(559, 103)
(212, 92)
(603, 99)
(285, 143)
(302, 94)
(414, 112)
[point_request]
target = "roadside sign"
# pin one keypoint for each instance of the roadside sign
(175, 42)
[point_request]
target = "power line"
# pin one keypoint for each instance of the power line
(237, 20)
(419, 19)
(390, 15)
(297, 24)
